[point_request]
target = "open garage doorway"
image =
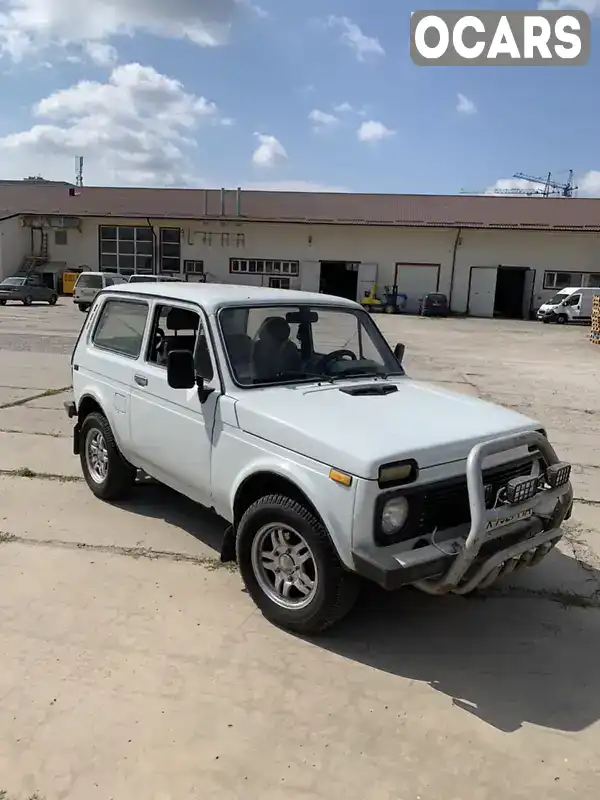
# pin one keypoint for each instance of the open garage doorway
(339, 278)
(514, 289)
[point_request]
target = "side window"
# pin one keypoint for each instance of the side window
(121, 326)
(109, 282)
(177, 328)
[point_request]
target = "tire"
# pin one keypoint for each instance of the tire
(82, 307)
(562, 319)
(119, 474)
(27, 301)
(2, 302)
(334, 589)
(53, 299)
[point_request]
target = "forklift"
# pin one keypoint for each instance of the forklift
(393, 302)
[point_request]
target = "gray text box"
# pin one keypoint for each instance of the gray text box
(479, 38)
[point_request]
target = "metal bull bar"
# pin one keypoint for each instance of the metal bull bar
(482, 517)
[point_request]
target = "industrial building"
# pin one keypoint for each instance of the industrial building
(492, 256)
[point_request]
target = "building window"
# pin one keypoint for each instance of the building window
(121, 327)
(60, 237)
(279, 283)
(170, 250)
(561, 280)
(593, 279)
(126, 249)
(245, 266)
(193, 267)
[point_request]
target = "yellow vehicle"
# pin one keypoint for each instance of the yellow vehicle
(370, 301)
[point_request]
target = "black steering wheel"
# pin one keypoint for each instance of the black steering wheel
(337, 355)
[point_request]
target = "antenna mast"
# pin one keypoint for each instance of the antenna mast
(79, 171)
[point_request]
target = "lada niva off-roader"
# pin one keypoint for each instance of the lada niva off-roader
(290, 416)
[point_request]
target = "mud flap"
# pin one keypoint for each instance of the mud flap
(228, 546)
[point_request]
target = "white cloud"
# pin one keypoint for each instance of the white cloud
(508, 186)
(343, 108)
(293, 186)
(270, 152)
(28, 26)
(589, 183)
(101, 53)
(373, 131)
(136, 129)
(591, 6)
(364, 46)
(322, 120)
(464, 105)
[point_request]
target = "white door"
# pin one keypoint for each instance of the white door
(482, 291)
(310, 276)
(528, 292)
(171, 430)
(415, 281)
(367, 276)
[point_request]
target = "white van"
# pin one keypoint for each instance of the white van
(569, 305)
(88, 284)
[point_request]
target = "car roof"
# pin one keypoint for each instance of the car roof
(214, 295)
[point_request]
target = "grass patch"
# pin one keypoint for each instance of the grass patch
(26, 472)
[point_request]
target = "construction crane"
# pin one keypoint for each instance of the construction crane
(550, 187)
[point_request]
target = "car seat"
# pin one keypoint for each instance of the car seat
(274, 353)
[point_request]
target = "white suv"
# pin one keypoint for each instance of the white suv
(289, 415)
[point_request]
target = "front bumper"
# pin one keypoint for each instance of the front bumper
(499, 540)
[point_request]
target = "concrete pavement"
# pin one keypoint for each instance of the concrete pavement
(134, 665)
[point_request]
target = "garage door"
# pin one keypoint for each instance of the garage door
(415, 280)
(482, 291)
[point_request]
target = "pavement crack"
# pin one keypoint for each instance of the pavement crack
(35, 433)
(37, 396)
(212, 564)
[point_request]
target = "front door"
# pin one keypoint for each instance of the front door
(482, 291)
(171, 430)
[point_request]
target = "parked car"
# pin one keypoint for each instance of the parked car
(569, 305)
(89, 284)
(434, 305)
(27, 290)
(288, 414)
(152, 279)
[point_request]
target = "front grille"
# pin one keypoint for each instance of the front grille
(446, 504)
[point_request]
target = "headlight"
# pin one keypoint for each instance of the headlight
(394, 515)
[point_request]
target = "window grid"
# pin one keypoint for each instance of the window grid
(126, 249)
(170, 250)
(193, 267)
(261, 266)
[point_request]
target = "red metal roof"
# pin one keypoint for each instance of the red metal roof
(319, 208)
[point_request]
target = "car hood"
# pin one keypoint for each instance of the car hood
(359, 433)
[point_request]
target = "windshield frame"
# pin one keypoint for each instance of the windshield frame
(369, 325)
(14, 281)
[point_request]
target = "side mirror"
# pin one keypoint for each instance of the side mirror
(399, 352)
(181, 373)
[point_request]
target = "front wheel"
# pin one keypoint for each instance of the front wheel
(106, 472)
(83, 307)
(27, 301)
(562, 319)
(2, 302)
(53, 299)
(290, 567)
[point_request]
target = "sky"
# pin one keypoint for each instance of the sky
(314, 96)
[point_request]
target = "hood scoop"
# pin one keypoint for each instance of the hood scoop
(370, 389)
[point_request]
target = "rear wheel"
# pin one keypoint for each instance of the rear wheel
(106, 472)
(53, 299)
(290, 567)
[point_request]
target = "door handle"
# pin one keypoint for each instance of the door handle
(141, 380)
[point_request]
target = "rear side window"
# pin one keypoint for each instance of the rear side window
(89, 282)
(121, 326)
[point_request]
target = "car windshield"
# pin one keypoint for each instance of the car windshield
(558, 298)
(13, 282)
(298, 343)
